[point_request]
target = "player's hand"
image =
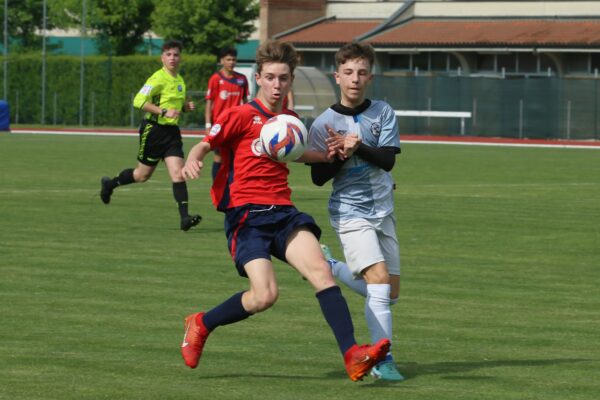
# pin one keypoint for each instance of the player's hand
(191, 169)
(351, 143)
(335, 142)
(190, 105)
(172, 113)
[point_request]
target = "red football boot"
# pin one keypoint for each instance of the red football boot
(193, 340)
(360, 359)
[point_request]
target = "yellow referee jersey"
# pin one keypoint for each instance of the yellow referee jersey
(163, 90)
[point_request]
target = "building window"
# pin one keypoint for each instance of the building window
(486, 62)
(527, 63)
(312, 59)
(506, 62)
(595, 61)
(546, 64)
(439, 61)
(578, 62)
(420, 61)
(400, 62)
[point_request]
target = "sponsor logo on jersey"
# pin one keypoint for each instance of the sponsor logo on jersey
(376, 128)
(240, 81)
(256, 147)
(256, 120)
(215, 130)
(146, 89)
(224, 94)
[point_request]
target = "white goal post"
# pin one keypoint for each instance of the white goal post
(437, 114)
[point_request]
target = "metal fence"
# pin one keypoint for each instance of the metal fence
(516, 108)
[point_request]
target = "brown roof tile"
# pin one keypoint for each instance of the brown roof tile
(455, 32)
(332, 32)
(492, 33)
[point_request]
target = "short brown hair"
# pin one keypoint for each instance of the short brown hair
(171, 44)
(274, 51)
(354, 50)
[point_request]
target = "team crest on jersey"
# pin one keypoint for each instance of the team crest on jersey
(146, 89)
(179, 88)
(215, 130)
(256, 120)
(376, 128)
(256, 147)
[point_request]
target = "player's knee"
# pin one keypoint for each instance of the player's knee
(141, 176)
(265, 300)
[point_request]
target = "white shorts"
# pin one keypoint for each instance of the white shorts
(368, 241)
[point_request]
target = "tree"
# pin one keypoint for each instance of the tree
(24, 19)
(205, 26)
(119, 26)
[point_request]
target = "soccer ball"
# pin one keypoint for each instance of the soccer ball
(283, 138)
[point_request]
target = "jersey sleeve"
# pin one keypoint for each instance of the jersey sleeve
(318, 133)
(151, 88)
(245, 90)
(390, 134)
(227, 126)
(212, 88)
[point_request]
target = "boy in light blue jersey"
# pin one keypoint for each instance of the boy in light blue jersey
(361, 206)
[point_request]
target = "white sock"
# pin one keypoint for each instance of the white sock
(377, 311)
(341, 271)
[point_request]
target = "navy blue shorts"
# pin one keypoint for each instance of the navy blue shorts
(259, 231)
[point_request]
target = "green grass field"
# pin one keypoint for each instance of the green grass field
(500, 299)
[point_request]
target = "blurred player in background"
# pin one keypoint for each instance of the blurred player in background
(361, 206)
(163, 98)
(261, 220)
(226, 88)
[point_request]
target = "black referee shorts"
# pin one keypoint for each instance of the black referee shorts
(159, 141)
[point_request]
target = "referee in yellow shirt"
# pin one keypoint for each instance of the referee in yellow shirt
(163, 99)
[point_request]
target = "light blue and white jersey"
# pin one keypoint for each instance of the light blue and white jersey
(360, 189)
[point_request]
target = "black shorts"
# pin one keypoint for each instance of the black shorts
(159, 141)
(258, 231)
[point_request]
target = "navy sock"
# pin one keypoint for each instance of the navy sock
(215, 169)
(228, 312)
(180, 193)
(336, 312)
(125, 177)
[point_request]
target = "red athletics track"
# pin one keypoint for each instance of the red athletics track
(460, 140)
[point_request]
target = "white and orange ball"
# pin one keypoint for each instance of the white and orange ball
(283, 138)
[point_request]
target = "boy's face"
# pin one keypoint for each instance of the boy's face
(353, 77)
(171, 58)
(228, 62)
(275, 81)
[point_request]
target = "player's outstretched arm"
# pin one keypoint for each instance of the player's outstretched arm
(193, 164)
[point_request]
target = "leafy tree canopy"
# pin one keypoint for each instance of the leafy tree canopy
(119, 25)
(25, 18)
(205, 26)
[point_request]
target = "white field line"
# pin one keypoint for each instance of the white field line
(465, 143)
(475, 143)
(304, 188)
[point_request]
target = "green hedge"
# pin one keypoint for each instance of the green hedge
(109, 83)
